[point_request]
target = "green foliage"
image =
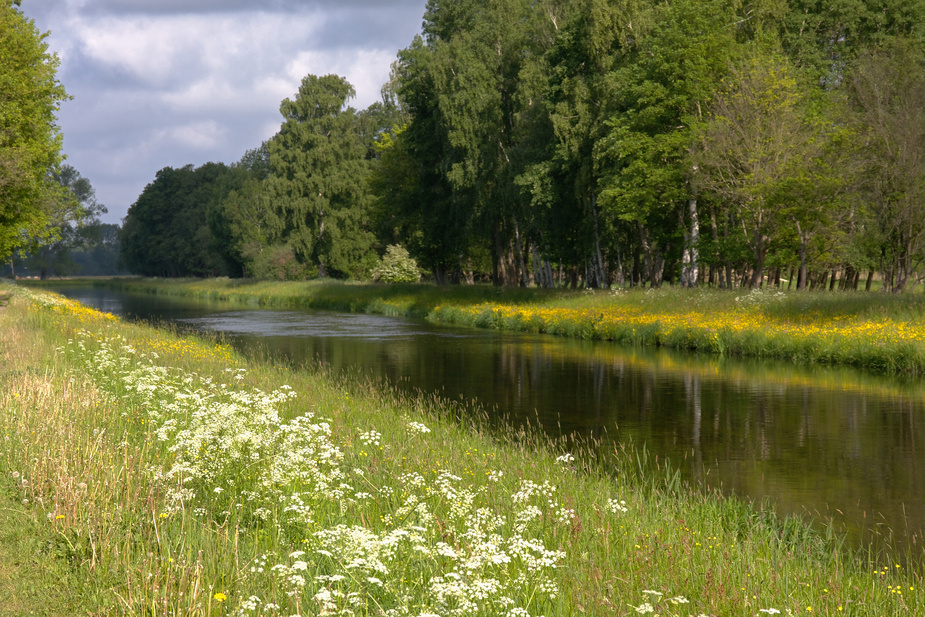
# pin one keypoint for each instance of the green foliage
(72, 215)
(887, 89)
(473, 86)
(30, 144)
(662, 88)
(396, 266)
(760, 152)
(825, 37)
(596, 142)
(277, 262)
(166, 231)
(318, 182)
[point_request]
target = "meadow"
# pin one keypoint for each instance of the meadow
(884, 333)
(159, 474)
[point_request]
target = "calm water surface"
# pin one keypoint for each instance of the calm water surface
(825, 442)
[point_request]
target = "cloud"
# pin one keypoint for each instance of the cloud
(186, 7)
(174, 82)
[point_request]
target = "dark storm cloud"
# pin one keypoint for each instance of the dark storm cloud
(173, 82)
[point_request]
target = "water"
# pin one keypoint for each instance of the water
(830, 443)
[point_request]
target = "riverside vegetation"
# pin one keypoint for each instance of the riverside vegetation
(169, 476)
(880, 332)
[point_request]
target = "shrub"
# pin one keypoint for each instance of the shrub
(396, 266)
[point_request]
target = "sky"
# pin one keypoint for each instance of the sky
(166, 83)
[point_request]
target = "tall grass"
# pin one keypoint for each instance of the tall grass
(176, 478)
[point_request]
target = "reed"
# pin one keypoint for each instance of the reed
(174, 477)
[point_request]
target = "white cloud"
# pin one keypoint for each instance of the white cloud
(366, 69)
(204, 135)
(164, 82)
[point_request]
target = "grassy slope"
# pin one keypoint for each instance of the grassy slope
(88, 446)
(34, 578)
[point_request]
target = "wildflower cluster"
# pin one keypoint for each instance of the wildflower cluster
(758, 323)
(760, 297)
(425, 542)
(655, 600)
(64, 306)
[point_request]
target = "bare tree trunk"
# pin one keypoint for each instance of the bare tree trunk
(902, 267)
(689, 258)
(654, 264)
(538, 272)
(637, 268)
(600, 271)
(524, 274)
(498, 269)
(620, 278)
(823, 279)
(745, 278)
(573, 277)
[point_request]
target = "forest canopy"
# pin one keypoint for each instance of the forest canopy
(585, 142)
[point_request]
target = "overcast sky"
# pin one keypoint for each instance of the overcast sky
(160, 83)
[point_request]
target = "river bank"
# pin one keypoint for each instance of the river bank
(173, 476)
(884, 333)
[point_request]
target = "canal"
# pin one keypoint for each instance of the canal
(829, 443)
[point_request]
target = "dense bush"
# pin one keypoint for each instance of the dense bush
(396, 266)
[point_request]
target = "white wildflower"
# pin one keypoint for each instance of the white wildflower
(371, 438)
(417, 427)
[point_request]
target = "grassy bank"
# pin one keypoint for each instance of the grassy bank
(882, 333)
(169, 476)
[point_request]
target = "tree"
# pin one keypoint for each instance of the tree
(416, 202)
(318, 181)
(240, 219)
(579, 98)
(72, 214)
(473, 87)
(99, 253)
(30, 143)
(824, 38)
(887, 90)
(757, 152)
(166, 231)
(662, 89)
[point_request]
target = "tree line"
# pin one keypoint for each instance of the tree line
(585, 142)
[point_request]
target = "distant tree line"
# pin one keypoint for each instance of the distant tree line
(586, 142)
(71, 240)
